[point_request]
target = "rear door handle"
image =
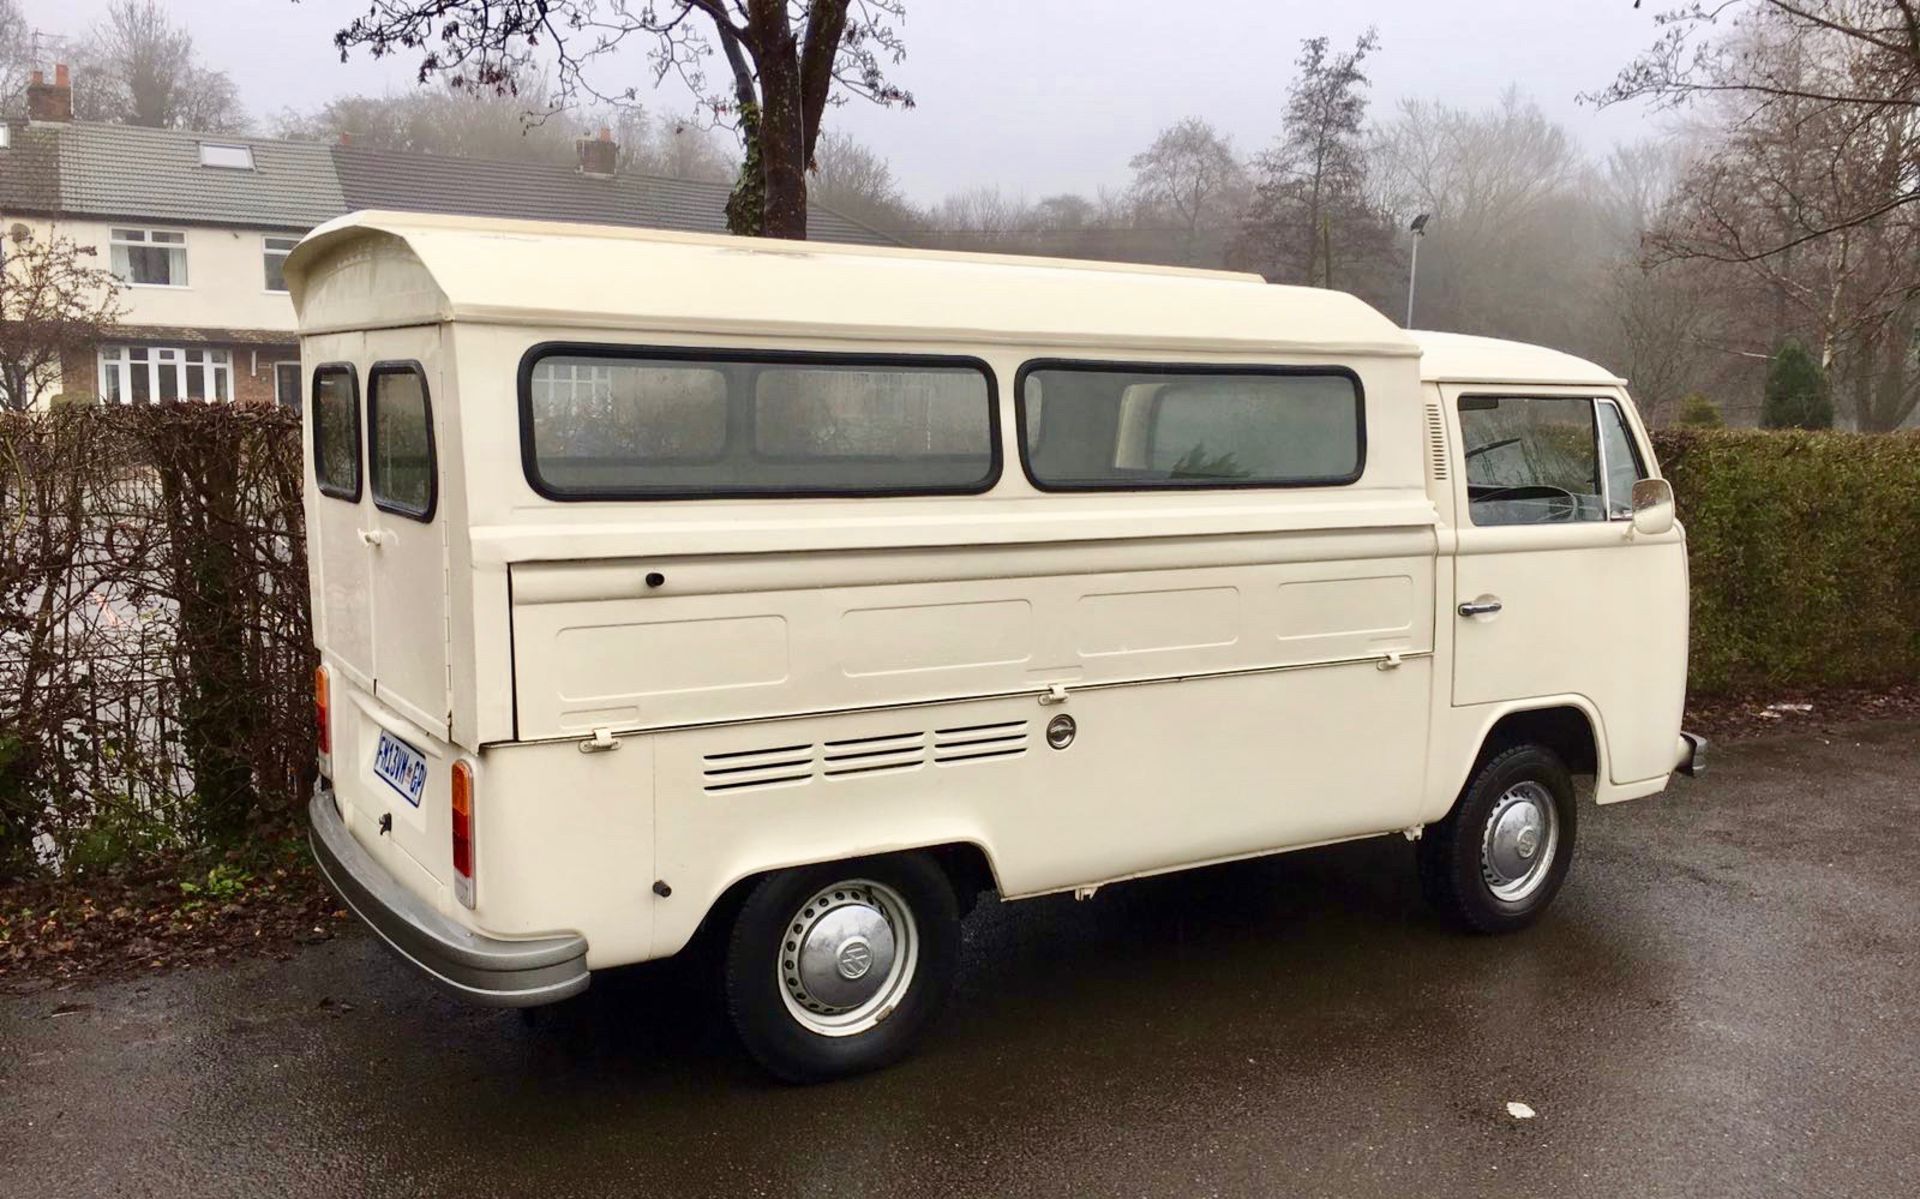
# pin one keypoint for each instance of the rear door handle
(1480, 607)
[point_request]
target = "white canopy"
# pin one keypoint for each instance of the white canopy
(373, 269)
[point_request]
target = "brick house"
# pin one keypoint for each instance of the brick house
(198, 225)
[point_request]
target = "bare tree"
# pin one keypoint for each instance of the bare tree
(1857, 60)
(524, 126)
(1512, 249)
(1190, 176)
(137, 67)
(53, 302)
(16, 55)
(856, 182)
(1802, 206)
(786, 61)
(1312, 217)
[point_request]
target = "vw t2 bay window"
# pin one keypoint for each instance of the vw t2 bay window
(603, 423)
(798, 596)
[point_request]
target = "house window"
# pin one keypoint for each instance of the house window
(226, 157)
(277, 249)
(286, 384)
(150, 257)
(158, 374)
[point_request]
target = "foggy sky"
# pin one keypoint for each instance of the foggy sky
(1042, 96)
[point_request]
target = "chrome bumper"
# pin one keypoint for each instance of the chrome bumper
(477, 968)
(1693, 759)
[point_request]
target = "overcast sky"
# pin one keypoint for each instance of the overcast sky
(1041, 96)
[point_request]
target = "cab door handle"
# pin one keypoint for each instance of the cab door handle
(1480, 607)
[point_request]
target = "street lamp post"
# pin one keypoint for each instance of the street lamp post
(1419, 230)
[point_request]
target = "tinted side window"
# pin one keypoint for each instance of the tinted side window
(1531, 460)
(400, 440)
(1624, 468)
(1106, 428)
(336, 432)
(621, 425)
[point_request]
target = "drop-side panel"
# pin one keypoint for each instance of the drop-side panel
(744, 637)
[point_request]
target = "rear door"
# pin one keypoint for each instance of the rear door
(407, 546)
(345, 613)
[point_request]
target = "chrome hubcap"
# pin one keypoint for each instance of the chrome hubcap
(1522, 835)
(848, 957)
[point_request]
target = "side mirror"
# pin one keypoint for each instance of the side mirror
(1652, 507)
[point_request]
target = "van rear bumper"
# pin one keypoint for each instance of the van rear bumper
(1692, 755)
(477, 968)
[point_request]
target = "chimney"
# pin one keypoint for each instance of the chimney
(50, 101)
(598, 155)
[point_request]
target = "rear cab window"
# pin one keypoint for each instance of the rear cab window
(1108, 426)
(336, 431)
(609, 423)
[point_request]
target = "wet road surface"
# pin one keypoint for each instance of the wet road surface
(1724, 1001)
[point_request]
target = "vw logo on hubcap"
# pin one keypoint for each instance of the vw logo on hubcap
(855, 959)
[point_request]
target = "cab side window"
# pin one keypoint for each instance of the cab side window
(400, 440)
(336, 431)
(1532, 460)
(1622, 457)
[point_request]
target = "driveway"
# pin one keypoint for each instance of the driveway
(1724, 1001)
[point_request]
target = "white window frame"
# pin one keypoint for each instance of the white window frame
(293, 401)
(121, 241)
(212, 366)
(268, 253)
(238, 156)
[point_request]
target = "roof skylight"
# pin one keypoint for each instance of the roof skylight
(226, 157)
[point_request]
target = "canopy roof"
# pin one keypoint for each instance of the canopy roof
(377, 268)
(1459, 358)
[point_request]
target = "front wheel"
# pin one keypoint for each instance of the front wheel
(1497, 860)
(835, 969)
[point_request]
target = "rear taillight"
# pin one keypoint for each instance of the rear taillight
(463, 833)
(321, 713)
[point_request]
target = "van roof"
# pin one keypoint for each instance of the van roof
(1460, 358)
(603, 277)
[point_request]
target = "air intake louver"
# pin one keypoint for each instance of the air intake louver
(1436, 442)
(871, 755)
(759, 767)
(741, 769)
(966, 743)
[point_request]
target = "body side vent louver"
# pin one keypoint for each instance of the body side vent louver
(1002, 739)
(1436, 441)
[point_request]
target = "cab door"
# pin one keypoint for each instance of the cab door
(1555, 594)
(407, 551)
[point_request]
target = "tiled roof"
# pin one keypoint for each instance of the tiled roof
(531, 191)
(29, 169)
(124, 171)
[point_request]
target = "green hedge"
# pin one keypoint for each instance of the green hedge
(1805, 552)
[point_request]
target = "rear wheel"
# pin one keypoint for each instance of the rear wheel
(1498, 859)
(835, 969)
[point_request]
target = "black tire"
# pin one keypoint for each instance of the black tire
(1457, 880)
(757, 996)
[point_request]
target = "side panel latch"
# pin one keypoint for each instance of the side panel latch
(601, 741)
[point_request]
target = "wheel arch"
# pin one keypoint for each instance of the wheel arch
(967, 863)
(1569, 725)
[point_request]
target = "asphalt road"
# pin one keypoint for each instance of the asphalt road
(1724, 1001)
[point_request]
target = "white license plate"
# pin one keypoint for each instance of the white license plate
(401, 767)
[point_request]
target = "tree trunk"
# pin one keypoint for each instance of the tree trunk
(783, 161)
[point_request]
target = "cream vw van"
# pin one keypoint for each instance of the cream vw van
(803, 593)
